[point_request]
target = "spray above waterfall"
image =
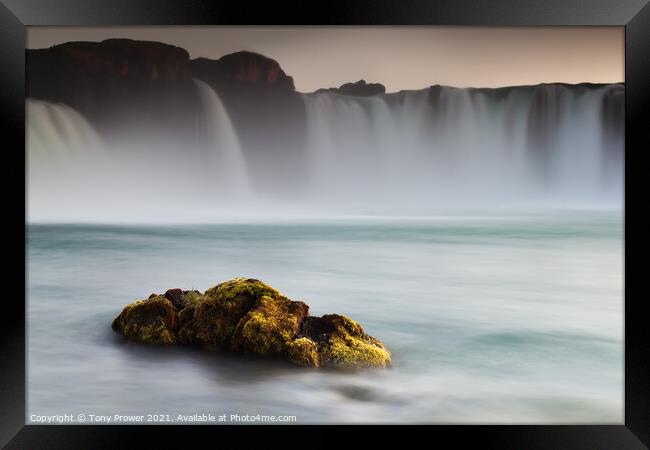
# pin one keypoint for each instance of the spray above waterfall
(448, 145)
(220, 143)
(57, 133)
(236, 138)
(73, 170)
(62, 148)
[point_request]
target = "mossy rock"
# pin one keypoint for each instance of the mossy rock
(342, 342)
(303, 352)
(150, 321)
(181, 299)
(269, 326)
(247, 316)
(244, 315)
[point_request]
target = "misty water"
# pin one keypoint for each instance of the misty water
(490, 318)
(478, 234)
(403, 153)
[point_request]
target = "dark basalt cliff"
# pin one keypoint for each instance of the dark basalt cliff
(141, 88)
(244, 73)
(146, 90)
(359, 89)
(263, 104)
(118, 84)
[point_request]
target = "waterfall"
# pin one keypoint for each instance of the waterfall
(56, 133)
(220, 143)
(410, 151)
(65, 157)
(75, 173)
(445, 145)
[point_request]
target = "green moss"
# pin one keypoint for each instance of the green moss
(347, 345)
(267, 327)
(155, 333)
(247, 316)
(352, 352)
(249, 287)
(150, 321)
(220, 310)
(192, 297)
(303, 352)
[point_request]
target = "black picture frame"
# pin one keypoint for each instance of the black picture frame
(634, 15)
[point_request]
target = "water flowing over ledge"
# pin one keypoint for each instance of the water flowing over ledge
(447, 144)
(198, 140)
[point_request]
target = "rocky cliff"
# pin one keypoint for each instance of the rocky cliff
(120, 85)
(148, 89)
(359, 89)
(264, 106)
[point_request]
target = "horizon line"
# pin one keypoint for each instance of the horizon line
(542, 83)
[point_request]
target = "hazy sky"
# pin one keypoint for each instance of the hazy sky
(398, 57)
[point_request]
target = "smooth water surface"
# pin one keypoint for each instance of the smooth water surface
(490, 319)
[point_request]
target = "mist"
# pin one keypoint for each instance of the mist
(410, 153)
(478, 232)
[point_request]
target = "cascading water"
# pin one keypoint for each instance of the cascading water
(73, 172)
(443, 146)
(220, 143)
(63, 150)
(56, 133)
(408, 151)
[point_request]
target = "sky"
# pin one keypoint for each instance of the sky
(399, 57)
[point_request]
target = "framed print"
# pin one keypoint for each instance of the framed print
(374, 214)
